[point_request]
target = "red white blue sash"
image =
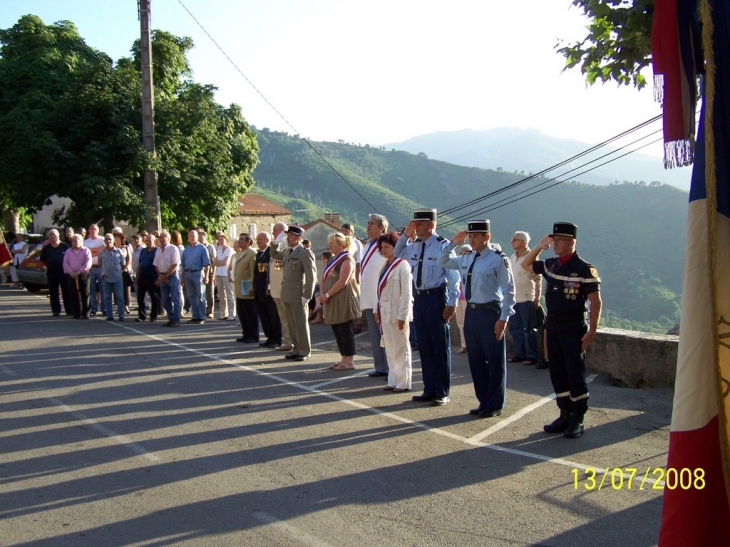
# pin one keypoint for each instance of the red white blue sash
(368, 255)
(385, 275)
(332, 264)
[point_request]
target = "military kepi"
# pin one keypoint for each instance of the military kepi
(424, 214)
(296, 230)
(477, 226)
(566, 229)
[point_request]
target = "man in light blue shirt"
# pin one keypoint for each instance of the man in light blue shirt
(490, 298)
(435, 293)
(195, 263)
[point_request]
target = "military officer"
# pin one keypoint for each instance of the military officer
(489, 291)
(571, 281)
(297, 289)
(436, 291)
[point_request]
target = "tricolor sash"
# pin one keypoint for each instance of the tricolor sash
(368, 255)
(332, 264)
(385, 275)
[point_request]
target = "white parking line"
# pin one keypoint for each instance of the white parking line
(126, 442)
(296, 533)
(342, 378)
(395, 417)
(517, 415)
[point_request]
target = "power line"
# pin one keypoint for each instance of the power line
(275, 109)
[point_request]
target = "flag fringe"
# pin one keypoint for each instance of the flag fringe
(659, 88)
(679, 153)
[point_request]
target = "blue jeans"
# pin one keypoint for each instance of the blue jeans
(171, 298)
(195, 291)
(117, 287)
(95, 287)
(523, 335)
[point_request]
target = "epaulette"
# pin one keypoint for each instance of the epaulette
(504, 257)
(440, 238)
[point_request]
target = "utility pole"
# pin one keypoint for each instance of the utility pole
(151, 199)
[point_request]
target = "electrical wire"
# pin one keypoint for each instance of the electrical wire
(311, 146)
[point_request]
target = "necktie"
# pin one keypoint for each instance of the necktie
(467, 294)
(420, 265)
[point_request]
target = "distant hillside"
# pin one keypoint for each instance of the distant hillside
(530, 151)
(633, 233)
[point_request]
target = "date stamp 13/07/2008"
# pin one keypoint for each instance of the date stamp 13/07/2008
(628, 478)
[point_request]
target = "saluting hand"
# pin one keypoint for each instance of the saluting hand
(459, 238)
(546, 241)
(410, 230)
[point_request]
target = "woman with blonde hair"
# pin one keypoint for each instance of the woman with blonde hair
(340, 298)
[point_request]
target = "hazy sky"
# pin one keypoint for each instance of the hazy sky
(377, 71)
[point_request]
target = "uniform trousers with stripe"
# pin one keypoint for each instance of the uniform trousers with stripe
(434, 342)
(487, 357)
(567, 365)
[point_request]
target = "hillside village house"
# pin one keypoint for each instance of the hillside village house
(256, 214)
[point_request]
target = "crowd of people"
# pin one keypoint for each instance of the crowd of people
(404, 285)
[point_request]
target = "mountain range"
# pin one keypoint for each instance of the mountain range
(530, 151)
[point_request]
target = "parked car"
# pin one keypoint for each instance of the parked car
(32, 272)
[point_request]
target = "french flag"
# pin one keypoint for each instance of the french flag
(695, 510)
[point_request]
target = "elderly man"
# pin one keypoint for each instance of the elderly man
(265, 305)
(243, 271)
(76, 266)
(52, 256)
(489, 292)
(370, 267)
(95, 244)
(297, 289)
(111, 263)
(209, 282)
(436, 291)
(195, 264)
(571, 283)
(523, 324)
(276, 274)
(167, 262)
(145, 278)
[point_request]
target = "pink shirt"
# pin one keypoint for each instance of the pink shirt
(77, 260)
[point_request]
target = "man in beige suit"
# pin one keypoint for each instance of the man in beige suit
(243, 288)
(297, 289)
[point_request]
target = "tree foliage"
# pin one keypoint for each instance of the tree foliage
(618, 44)
(70, 125)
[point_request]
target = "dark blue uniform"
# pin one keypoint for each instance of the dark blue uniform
(568, 287)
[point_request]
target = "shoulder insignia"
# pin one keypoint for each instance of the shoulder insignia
(440, 238)
(593, 271)
(507, 262)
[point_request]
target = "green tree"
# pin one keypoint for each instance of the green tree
(70, 125)
(618, 44)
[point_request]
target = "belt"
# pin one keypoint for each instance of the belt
(493, 305)
(435, 290)
(191, 271)
(565, 317)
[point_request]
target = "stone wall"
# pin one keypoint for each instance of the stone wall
(629, 358)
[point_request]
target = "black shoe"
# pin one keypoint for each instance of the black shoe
(441, 401)
(575, 426)
(291, 356)
(241, 339)
(301, 358)
(121, 318)
(250, 341)
(475, 411)
(138, 320)
(57, 314)
(425, 398)
(153, 320)
(175, 324)
(377, 374)
(272, 345)
(168, 324)
(542, 365)
(490, 413)
(264, 344)
(110, 319)
(559, 425)
(201, 321)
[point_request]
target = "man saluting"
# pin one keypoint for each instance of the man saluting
(570, 282)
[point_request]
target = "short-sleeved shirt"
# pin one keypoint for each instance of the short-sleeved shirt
(525, 281)
(165, 258)
(195, 258)
(52, 257)
(146, 266)
(220, 254)
(112, 264)
(92, 244)
(569, 285)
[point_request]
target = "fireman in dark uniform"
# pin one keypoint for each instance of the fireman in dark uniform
(571, 281)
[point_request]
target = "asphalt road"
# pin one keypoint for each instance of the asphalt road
(135, 434)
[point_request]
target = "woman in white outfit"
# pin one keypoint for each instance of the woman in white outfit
(19, 250)
(223, 256)
(395, 311)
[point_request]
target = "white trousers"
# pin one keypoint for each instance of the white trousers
(227, 304)
(398, 353)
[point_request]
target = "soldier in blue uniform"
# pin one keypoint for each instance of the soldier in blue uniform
(490, 298)
(571, 281)
(435, 293)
